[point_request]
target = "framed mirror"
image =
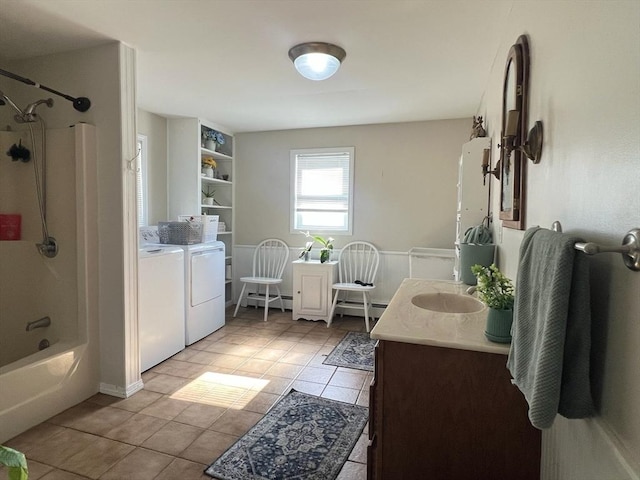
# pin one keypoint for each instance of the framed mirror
(512, 164)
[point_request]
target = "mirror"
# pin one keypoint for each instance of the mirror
(512, 165)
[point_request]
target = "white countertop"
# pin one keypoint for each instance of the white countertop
(402, 321)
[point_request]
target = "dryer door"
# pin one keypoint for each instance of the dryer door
(207, 276)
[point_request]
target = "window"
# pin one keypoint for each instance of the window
(141, 181)
(322, 190)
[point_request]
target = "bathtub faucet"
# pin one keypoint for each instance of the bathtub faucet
(40, 323)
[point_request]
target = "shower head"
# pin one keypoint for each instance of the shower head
(31, 108)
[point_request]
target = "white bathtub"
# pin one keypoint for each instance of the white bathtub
(36, 386)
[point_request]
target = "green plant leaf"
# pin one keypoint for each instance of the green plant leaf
(15, 462)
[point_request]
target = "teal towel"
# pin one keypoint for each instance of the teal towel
(550, 349)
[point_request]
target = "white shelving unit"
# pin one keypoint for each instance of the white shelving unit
(186, 181)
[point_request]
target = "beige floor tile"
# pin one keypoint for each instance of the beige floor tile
(308, 387)
(137, 429)
(280, 344)
(172, 438)
(181, 469)
(33, 437)
(37, 470)
(275, 385)
(316, 375)
(148, 375)
(269, 354)
(200, 415)
(296, 358)
(165, 383)
(101, 421)
(236, 422)
(102, 399)
(306, 348)
(138, 401)
(75, 413)
(359, 452)
(291, 336)
(221, 346)
(255, 365)
(166, 407)
(208, 447)
(200, 345)
(60, 446)
(203, 358)
(347, 379)
(353, 471)
(260, 341)
(259, 402)
(140, 464)
(184, 355)
(348, 395)
(228, 361)
(285, 370)
(97, 458)
(61, 475)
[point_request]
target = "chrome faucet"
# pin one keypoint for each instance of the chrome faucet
(40, 323)
(471, 290)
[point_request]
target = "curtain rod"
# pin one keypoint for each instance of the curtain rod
(81, 104)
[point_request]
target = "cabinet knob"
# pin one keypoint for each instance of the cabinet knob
(298, 292)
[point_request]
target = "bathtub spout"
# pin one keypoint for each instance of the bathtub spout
(40, 323)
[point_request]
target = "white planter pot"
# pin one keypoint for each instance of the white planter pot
(207, 200)
(208, 171)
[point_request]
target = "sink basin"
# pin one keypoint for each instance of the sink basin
(447, 302)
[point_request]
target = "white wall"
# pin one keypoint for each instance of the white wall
(155, 128)
(585, 66)
(405, 182)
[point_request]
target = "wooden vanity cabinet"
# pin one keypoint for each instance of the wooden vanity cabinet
(447, 414)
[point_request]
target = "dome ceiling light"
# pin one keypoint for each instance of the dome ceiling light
(317, 60)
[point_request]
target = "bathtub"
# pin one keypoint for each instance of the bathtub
(35, 385)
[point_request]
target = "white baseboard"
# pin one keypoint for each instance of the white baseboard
(120, 392)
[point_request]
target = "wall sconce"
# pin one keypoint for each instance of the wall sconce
(486, 163)
(532, 148)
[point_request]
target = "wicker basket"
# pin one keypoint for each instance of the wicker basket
(209, 225)
(180, 233)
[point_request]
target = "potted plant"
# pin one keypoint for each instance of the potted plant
(327, 246)
(15, 462)
(208, 164)
(496, 291)
(209, 197)
(212, 139)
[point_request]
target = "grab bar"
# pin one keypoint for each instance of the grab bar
(630, 248)
(40, 323)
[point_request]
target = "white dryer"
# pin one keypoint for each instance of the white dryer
(161, 324)
(204, 289)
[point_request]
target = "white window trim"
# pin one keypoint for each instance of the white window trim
(142, 171)
(292, 187)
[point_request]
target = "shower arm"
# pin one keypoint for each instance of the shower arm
(81, 104)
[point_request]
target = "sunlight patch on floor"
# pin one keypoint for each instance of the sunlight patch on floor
(221, 390)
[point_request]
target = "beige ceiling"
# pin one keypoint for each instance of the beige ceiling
(226, 60)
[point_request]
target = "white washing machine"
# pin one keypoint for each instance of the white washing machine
(204, 289)
(161, 321)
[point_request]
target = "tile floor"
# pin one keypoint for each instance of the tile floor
(197, 403)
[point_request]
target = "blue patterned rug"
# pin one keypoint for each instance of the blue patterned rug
(355, 350)
(302, 437)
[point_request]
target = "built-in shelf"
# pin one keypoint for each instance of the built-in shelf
(227, 281)
(214, 154)
(216, 180)
(229, 232)
(219, 207)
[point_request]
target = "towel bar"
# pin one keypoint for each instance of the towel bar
(630, 248)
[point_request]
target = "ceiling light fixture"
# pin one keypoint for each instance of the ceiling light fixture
(317, 60)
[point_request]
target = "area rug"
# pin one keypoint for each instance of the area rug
(355, 350)
(302, 437)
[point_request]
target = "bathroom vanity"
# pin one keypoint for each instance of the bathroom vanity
(442, 405)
